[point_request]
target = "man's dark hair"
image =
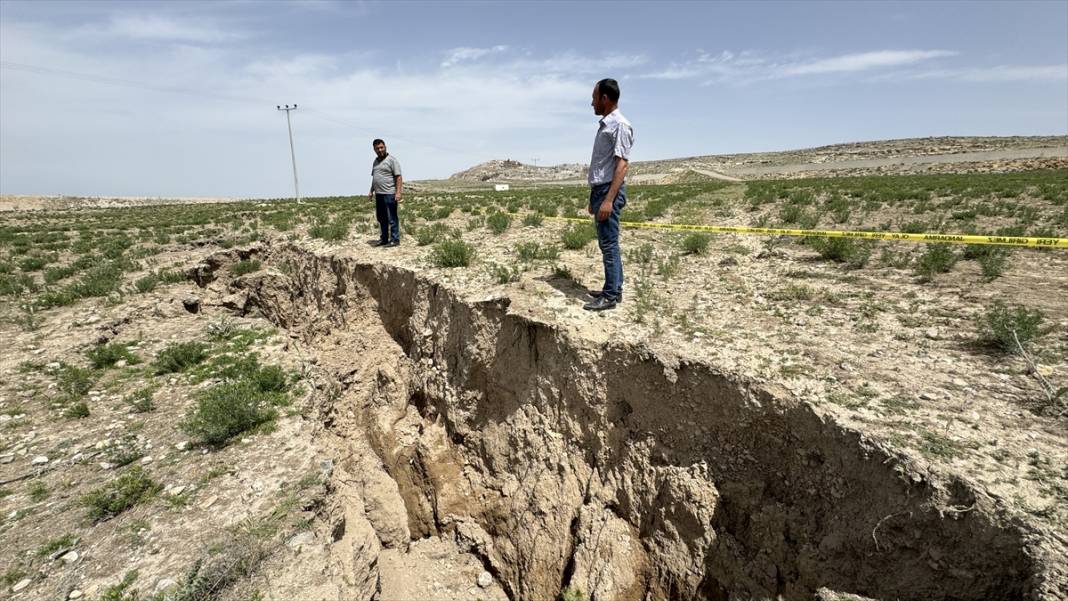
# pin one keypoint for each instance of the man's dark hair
(381, 141)
(610, 88)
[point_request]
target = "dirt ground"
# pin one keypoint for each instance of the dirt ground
(752, 422)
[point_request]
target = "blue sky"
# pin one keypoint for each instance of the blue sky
(178, 99)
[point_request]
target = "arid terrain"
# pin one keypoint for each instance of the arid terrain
(246, 400)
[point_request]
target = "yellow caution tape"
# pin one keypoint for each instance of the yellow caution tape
(900, 236)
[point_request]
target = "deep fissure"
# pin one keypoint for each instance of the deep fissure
(607, 468)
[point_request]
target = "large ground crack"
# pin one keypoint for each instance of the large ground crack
(605, 468)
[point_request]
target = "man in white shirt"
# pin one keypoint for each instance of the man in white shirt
(608, 193)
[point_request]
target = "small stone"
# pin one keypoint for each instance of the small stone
(120, 363)
(210, 501)
(7, 458)
(75, 594)
(166, 584)
(177, 490)
(39, 460)
(146, 460)
(54, 365)
(104, 465)
(182, 445)
(485, 579)
(300, 539)
(70, 557)
(21, 585)
(931, 333)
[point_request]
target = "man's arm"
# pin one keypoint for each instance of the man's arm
(399, 181)
(618, 175)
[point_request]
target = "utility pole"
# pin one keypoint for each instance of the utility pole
(535, 161)
(292, 153)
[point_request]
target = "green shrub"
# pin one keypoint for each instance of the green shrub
(55, 274)
(430, 234)
(576, 236)
(642, 255)
(936, 258)
(107, 355)
(77, 410)
(855, 253)
(503, 274)
(244, 267)
(452, 253)
(73, 381)
(532, 251)
(141, 400)
(66, 541)
(36, 262)
(696, 243)
(129, 489)
(228, 409)
(498, 222)
(147, 283)
(122, 590)
(15, 284)
(997, 326)
(180, 356)
(992, 259)
(535, 219)
(332, 232)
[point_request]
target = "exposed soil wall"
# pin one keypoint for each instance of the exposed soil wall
(565, 463)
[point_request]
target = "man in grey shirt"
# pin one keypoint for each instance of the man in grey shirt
(608, 193)
(386, 185)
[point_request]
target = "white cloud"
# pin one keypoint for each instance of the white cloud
(863, 61)
(455, 56)
(170, 29)
(747, 66)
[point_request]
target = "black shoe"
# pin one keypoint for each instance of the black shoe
(381, 243)
(601, 304)
(394, 243)
(599, 294)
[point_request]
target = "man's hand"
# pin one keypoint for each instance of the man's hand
(397, 197)
(371, 196)
(605, 210)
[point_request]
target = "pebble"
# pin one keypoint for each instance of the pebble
(485, 579)
(21, 585)
(75, 594)
(209, 502)
(165, 584)
(7, 458)
(300, 539)
(120, 363)
(70, 557)
(182, 445)
(146, 460)
(39, 460)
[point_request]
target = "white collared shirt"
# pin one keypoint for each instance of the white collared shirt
(614, 138)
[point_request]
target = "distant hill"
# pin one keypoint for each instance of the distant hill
(910, 155)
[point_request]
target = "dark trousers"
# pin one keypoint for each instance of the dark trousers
(386, 212)
(608, 238)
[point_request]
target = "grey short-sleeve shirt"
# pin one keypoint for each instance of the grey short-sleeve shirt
(382, 173)
(615, 136)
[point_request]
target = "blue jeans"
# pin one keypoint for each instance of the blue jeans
(608, 239)
(386, 212)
